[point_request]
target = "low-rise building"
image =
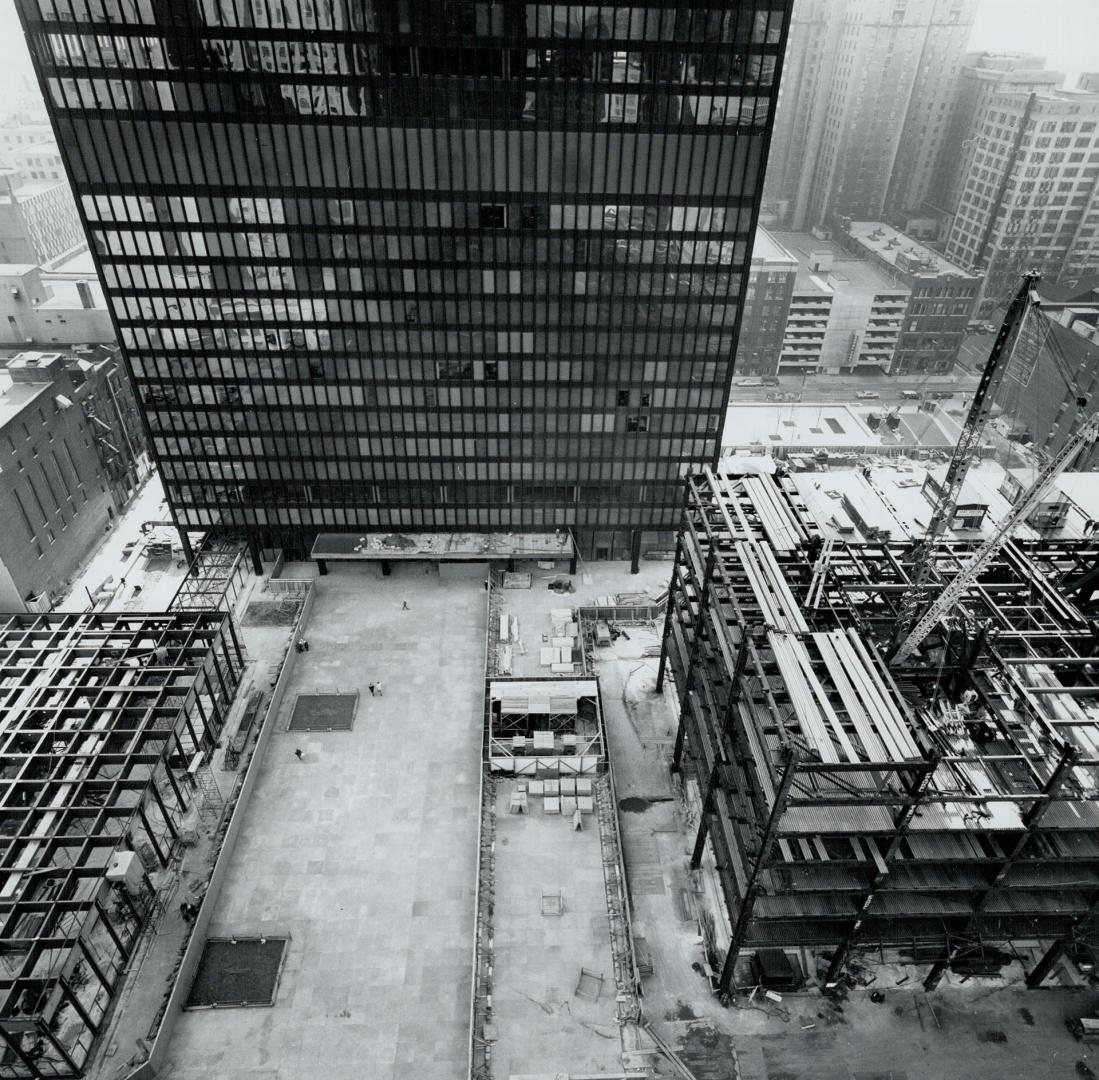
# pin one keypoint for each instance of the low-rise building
(39, 307)
(859, 303)
(71, 453)
(942, 296)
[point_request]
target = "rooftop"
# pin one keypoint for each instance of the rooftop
(832, 426)
(856, 278)
(32, 188)
(895, 247)
(15, 397)
(766, 249)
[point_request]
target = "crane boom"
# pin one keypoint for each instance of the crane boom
(984, 554)
(916, 597)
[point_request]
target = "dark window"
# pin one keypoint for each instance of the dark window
(493, 216)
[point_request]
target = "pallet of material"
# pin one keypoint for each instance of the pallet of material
(517, 580)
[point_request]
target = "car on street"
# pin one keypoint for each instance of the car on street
(749, 382)
(910, 395)
(988, 328)
(867, 395)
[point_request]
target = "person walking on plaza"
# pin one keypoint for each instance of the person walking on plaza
(378, 688)
(371, 689)
(404, 605)
(298, 754)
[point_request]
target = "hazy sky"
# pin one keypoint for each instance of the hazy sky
(1066, 32)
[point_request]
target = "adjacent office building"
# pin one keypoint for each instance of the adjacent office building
(860, 123)
(416, 266)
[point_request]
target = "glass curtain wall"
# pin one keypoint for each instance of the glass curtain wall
(420, 264)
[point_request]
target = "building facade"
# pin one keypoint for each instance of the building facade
(1029, 199)
(859, 127)
(801, 111)
(766, 306)
(40, 309)
(71, 454)
(942, 296)
(39, 222)
(479, 269)
(39, 161)
(982, 76)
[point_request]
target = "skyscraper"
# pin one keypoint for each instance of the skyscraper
(983, 75)
(400, 264)
(860, 125)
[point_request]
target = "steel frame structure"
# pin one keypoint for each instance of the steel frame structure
(849, 804)
(215, 577)
(101, 716)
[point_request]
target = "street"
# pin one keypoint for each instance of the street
(842, 388)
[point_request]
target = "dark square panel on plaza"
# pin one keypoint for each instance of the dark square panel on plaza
(238, 972)
(324, 712)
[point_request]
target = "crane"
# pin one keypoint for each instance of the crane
(953, 592)
(917, 596)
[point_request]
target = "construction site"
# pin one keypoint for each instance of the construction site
(814, 794)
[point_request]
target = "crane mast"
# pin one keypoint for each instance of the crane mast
(987, 551)
(918, 596)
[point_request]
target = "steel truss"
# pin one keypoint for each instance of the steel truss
(848, 803)
(101, 716)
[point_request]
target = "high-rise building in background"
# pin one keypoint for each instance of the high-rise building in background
(1029, 195)
(860, 125)
(982, 76)
(801, 110)
(469, 266)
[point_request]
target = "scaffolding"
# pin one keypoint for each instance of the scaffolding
(102, 720)
(938, 808)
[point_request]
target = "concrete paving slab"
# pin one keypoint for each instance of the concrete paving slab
(543, 1026)
(340, 848)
